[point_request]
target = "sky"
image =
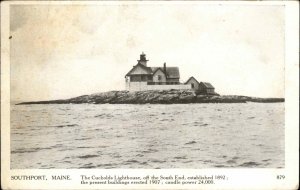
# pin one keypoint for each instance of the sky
(63, 51)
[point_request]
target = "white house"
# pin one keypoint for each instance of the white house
(141, 77)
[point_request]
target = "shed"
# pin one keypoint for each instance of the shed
(193, 82)
(207, 88)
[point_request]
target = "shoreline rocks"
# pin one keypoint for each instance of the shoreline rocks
(155, 97)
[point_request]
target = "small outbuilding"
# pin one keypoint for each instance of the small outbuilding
(193, 82)
(200, 87)
(207, 88)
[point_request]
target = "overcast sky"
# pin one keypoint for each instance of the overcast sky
(62, 51)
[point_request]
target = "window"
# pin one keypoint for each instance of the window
(193, 85)
(159, 77)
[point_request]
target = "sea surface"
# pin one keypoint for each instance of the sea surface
(249, 135)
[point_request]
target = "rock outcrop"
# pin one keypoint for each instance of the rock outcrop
(155, 97)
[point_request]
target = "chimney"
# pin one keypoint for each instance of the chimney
(165, 68)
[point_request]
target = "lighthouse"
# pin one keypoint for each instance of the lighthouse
(143, 59)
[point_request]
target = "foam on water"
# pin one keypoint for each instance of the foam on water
(147, 136)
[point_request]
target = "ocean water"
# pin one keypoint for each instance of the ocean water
(249, 135)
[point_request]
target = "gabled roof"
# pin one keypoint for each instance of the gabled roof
(172, 72)
(147, 69)
(191, 79)
(158, 68)
(207, 85)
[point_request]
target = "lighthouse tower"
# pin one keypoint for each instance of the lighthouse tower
(143, 59)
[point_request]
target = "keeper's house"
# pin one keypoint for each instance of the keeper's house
(141, 77)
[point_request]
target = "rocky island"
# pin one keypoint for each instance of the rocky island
(158, 85)
(156, 97)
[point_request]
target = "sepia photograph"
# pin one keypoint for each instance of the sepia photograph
(147, 85)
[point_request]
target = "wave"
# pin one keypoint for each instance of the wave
(88, 156)
(109, 165)
(61, 126)
(157, 161)
(29, 150)
(104, 115)
(220, 166)
(249, 164)
(180, 157)
(205, 124)
(66, 149)
(84, 138)
(130, 161)
(150, 150)
(232, 161)
(191, 142)
(55, 126)
(266, 160)
(84, 147)
(87, 166)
